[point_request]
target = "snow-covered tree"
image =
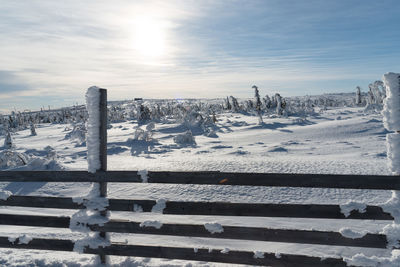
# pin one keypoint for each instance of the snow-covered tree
(235, 104)
(33, 130)
(258, 104)
(267, 102)
(228, 105)
(278, 99)
(358, 95)
(8, 141)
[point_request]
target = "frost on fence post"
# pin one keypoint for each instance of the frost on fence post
(95, 202)
(391, 119)
(93, 128)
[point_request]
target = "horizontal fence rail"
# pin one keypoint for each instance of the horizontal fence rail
(209, 208)
(212, 178)
(180, 253)
(190, 230)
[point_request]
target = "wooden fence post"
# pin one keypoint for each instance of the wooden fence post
(103, 157)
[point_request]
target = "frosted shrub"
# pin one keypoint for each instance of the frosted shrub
(142, 135)
(193, 119)
(185, 138)
(51, 153)
(12, 159)
(77, 134)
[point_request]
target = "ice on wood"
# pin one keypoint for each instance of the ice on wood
(159, 206)
(214, 227)
(391, 110)
(258, 255)
(155, 224)
(93, 128)
(393, 152)
(81, 220)
(350, 233)
(143, 175)
(391, 119)
(4, 194)
(24, 239)
(225, 251)
(347, 208)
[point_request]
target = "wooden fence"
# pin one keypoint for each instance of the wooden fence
(317, 211)
(103, 176)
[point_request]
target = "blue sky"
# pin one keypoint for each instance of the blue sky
(51, 51)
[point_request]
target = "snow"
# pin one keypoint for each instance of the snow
(214, 227)
(24, 239)
(258, 255)
(4, 194)
(350, 206)
(12, 239)
(159, 206)
(81, 220)
(143, 175)
(137, 208)
(225, 251)
(350, 233)
(155, 224)
(93, 128)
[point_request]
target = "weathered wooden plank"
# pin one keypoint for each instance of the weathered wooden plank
(103, 158)
(190, 230)
(41, 202)
(279, 179)
(210, 208)
(249, 233)
(180, 253)
(34, 220)
(252, 209)
(214, 178)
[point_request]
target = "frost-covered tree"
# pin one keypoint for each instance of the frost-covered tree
(235, 104)
(33, 130)
(358, 95)
(258, 104)
(371, 99)
(278, 99)
(378, 91)
(267, 102)
(228, 105)
(8, 141)
(143, 114)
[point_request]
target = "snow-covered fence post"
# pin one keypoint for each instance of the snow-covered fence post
(391, 119)
(96, 140)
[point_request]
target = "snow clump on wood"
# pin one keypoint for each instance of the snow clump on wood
(93, 128)
(81, 220)
(214, 227)
(391, 119)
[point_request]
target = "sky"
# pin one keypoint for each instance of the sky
(52, 51)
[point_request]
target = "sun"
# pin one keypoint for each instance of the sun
(149, 37)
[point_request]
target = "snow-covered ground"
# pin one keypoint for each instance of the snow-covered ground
(338, 141)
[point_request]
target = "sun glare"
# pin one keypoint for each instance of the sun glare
(149, 38)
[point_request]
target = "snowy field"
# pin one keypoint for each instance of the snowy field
(343, 140)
